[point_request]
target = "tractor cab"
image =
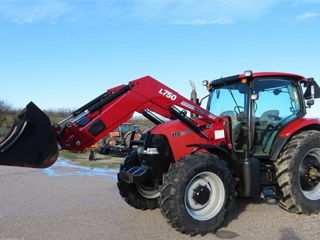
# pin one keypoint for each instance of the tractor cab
(258, 106)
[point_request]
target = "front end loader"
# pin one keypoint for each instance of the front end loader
(251, 140)
(30, 141)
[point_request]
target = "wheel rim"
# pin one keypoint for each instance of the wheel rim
(309, 183)
(204, 196)
(147, 191)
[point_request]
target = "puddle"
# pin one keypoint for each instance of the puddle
(63, 168)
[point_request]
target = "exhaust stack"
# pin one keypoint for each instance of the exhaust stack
(193, 97)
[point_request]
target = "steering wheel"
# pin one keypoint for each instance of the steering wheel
(237, 109)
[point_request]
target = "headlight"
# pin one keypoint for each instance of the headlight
(149, 151)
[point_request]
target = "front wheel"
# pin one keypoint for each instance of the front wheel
(141, 195)
(197, 194)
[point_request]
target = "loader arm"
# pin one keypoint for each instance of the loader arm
(145, 95)
(33, 142)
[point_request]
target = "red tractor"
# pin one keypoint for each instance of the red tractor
(252, 139)
(117, 142)
(121, 135)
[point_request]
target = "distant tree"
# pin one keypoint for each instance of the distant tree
(5, 110)
(143, 122)
(61, 112)
(56, 115)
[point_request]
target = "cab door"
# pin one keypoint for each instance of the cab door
(277, 103)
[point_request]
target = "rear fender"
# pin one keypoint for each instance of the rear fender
(298, 125)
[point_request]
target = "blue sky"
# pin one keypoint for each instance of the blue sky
(63, 53)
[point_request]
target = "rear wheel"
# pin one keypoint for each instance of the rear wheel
(298, 173)
(197, 194)
(141, 196)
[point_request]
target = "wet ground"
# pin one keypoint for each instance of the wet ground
(63, 167)
(69, 201)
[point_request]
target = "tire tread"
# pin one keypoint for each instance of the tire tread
(284, 167)
(168, 192)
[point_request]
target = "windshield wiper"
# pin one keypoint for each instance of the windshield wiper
(234, 99)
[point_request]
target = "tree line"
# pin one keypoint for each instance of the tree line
(8, 113)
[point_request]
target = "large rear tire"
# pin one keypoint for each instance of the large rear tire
(197, 194)
(296, 170)
(141, 196)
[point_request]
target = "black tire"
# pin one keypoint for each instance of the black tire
(300, 193)
(130, 193)
(183, 179)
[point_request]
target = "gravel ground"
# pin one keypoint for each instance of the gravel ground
(74, 202)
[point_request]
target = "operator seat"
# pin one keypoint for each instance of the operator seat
(269, 117)
(267, 128)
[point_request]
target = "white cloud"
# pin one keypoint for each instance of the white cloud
(307, 15)
(33, 11)
(183, 12)
(199, 21)
(201, 12)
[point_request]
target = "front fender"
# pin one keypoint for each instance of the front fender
(219, 151)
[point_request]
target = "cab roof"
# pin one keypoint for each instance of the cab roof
(236, 78)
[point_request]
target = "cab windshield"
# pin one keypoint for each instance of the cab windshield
(228, 99)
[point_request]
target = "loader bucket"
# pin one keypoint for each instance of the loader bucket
(30, 142)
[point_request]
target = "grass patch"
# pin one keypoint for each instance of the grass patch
(6, 122)
(103, 161)
(73, 156)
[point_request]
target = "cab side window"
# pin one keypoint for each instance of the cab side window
(277, 104)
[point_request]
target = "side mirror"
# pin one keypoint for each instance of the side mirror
(312, 91)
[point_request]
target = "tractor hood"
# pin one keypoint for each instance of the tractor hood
(183, 139)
